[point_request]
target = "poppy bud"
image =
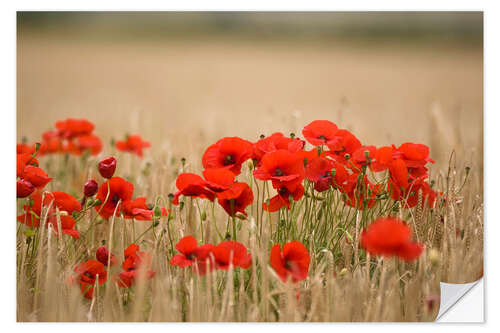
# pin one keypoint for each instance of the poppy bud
(183, 161)
(102, 255)
(343, 272)
(434, 257)
(203, 216)
(24, 188)
(170, 197)
(107, 167)
(90, 188)
(157, 212)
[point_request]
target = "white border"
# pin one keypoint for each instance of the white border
(492, 153)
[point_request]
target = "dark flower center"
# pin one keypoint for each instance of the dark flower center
(89, 275)
(322, 137)
(278, 172)
(115, 199)
(229, 159)
(284, 191)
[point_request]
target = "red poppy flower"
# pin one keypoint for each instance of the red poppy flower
(390, 237)
(360, 195)
(283, 168)
(139, 210)
(231, 253)
(107, 167)
(218, 179)
(134, 262)
(36, 176)
(24, 160)
(71, 128)
(192, 185)
(343, 142)
(24, 188)
(102, 254)
(409, 195)
(88, 142)
(359, 159)
(320, 132)
(320, 170)
(292, 262)
(63, 201)
(119, 189)
(275, 142)
(383, 158)
(67, 226)
(282, 199)
(51, 143)
(192, 254)
(133, 144)
(236, 199)
(22, 148)
(87, 273)
(229, 153)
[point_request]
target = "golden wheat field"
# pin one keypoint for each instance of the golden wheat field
(183, 95)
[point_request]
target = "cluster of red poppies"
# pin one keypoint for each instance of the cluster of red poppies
(115, 196)
(338, 161)
(133, 144)
(292, 262)
(72, 136)
(30, 176)
(93, 272)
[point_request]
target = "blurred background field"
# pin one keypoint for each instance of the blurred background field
(183, 80)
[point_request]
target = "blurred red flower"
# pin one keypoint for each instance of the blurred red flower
(133, 144)
(71, 128)
(87, 274)
(231, 253)
(292, 262)
(390, 237)
(136, 265)
(102, 255)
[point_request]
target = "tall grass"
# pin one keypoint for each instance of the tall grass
(344, 282)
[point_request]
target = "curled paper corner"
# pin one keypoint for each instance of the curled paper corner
(452, 293)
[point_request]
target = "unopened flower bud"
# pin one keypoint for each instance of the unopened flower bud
(107, 167)
(24, 188)
(434, 256)
(102, 255)
(90, 188)
(343, 272)
(157, 211)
